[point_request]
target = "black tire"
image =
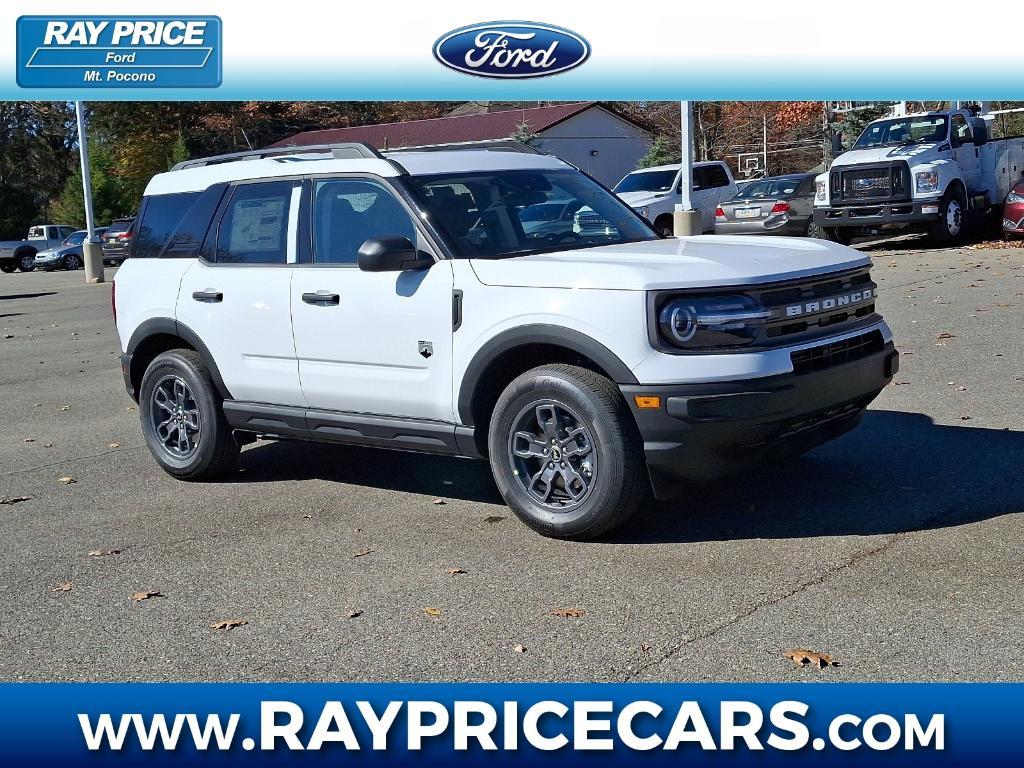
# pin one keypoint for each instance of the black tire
(214, 451)
(72, 261)
(815, 230)
(841, 236)
(610, 480)
(26, 260)
(665, 226)
(951, 225)
(8, 266)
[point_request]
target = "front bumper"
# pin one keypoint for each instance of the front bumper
(877, 215)
(706, 431)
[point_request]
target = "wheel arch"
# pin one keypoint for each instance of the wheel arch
(160, 334)
(516, 351)
(957, 187)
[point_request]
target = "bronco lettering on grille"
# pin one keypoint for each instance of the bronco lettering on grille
(833, 302)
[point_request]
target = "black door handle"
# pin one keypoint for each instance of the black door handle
(322, 299)
(209, 297)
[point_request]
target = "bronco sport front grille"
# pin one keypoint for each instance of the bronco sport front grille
(816, 306)
(836, 353)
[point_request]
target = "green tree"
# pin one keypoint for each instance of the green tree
(660, 153)
(108, 198)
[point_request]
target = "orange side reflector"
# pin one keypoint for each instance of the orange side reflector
(647, 401)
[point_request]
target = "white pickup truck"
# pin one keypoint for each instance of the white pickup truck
(21, 254)
(932, 172)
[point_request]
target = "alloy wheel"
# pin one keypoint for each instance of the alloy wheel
(175, 417)
(553, 455)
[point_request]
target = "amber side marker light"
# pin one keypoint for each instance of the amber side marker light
(647, 401)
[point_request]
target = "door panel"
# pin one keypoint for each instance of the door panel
(385, 346)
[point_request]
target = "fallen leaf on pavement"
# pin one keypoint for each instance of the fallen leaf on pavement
(140, 596)
(362, 553)
(14, 499)
(493, 519)
(646, 648)
(454, 571)
(103, 552)
(802, 657)
(964, 418)
(47, 445)
(64, 586)
(66, 480)
(30, 439)
(519, 648)
(355, 613)
(227, 624)
(945, 335)
(432, 611)
(440, 502)
(114, 445)
(567, 613)
(65, 408)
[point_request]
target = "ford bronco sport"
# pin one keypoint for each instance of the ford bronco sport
(405, 300)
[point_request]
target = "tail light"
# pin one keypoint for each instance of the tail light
(124, 235)
(113, 300)
(719, 213)
(780, 207)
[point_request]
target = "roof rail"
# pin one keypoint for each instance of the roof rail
(500, 145)
(348, 151)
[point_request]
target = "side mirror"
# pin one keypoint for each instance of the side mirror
(391, 254)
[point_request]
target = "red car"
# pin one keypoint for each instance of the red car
(1013, 211)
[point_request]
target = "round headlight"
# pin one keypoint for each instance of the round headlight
(681, 323)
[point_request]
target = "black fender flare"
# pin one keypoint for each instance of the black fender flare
(553, 335)
(165, 326)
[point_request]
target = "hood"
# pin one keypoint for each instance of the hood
(911, 153)
(686, 262)
(641, 198)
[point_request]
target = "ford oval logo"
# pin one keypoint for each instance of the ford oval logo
(511, 49)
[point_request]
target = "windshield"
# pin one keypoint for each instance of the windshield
(75, 238)
(497, 214)
(119, 225)
(647, 181)
(904, 130)
(768, 188)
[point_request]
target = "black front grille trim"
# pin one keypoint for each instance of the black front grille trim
(858, 184)
(825, 356)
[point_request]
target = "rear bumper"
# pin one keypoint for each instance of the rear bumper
(764, 227)
(706, 431)
(877, 215)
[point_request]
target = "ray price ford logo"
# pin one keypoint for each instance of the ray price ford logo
(511, 49)
(119, 52)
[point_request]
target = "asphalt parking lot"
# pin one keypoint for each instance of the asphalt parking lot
(896, 549)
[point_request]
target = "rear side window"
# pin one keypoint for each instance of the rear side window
(254, 228)
(714, 176)
(160, 217)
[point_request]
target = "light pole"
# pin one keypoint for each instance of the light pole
(686, 220)
(92, 254)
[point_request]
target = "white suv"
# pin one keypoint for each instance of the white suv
(412, 301)
(654, 192)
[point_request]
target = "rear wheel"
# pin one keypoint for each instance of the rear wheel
(26, 260)
(7, 267)
(182, 418)
(565, 452)
(815, 230)
(841, 236)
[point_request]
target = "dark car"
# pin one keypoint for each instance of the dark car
(67, 255)
(779, 205)
(117, 241)
(1013, 212)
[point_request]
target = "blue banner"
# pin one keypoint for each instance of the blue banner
(119, 52)
(497, 724)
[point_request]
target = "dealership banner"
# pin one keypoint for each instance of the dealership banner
(493, 724)
(534, 49)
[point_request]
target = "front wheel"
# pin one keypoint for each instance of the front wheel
(182, 418)
(665, 226)
(565, 452)
(72, 261)
(26, 261)
(841, 236)
(952, 220)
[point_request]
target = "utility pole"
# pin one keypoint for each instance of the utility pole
(764, 139)
(686, 220)
(92, 254)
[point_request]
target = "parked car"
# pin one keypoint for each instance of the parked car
(779, 205)
(1013, 211)
(67, 255)
(394, 300)
(654, 192)
(21, 254)
(117, 241)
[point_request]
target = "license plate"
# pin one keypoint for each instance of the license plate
(748, 213)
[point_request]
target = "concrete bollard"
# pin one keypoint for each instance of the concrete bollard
(92, 254)
(685, 223)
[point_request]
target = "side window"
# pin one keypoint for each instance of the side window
(700, 178)
(65, 232)
(254, 229)
(961, 131)
(348, 212)
(716, 176)
(160, 217)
